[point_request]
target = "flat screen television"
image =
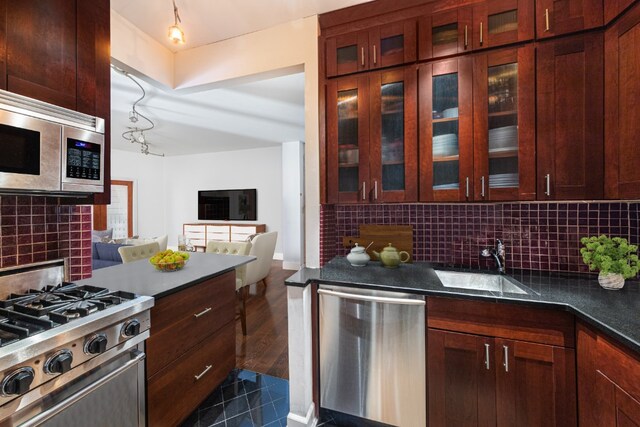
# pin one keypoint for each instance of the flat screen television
(228, 205)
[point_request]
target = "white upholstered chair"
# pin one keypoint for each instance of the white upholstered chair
(263, 246)
(134, 253)
(242, 291)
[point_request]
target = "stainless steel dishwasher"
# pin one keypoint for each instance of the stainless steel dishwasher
(372, 355)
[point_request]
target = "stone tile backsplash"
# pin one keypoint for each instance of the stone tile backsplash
(538, 236)
(36, 228)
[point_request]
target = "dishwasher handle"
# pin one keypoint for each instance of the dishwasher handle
(383, 300)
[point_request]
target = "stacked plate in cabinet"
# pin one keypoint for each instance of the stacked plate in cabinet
(445, 145)
(503, 180)
(503, 139)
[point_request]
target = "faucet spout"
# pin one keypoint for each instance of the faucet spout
(498, 254)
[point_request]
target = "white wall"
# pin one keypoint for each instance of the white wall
(147, 174)
(292, 235)
(258, 168)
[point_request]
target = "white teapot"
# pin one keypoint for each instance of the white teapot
(358, 256)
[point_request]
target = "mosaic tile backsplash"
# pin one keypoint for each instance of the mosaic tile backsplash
(34, 229)
(538, 236)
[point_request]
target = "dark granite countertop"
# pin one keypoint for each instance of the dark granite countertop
(141, 278)
(616, 313)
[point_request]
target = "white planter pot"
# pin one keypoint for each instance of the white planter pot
(613, 281)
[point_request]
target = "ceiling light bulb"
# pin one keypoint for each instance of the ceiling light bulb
(141, 139)
(176, 35)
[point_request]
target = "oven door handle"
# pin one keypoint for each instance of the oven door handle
(54, 410)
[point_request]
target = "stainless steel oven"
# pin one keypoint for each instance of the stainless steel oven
(45, 148)
(70, 354)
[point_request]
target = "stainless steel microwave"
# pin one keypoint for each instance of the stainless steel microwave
(48, 149)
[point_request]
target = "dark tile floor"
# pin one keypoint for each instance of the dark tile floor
(245, 399)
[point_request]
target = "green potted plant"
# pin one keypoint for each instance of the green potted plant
(614, 257)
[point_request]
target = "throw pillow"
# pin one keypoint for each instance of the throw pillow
(101, 235)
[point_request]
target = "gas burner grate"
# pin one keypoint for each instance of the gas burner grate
(22, 325)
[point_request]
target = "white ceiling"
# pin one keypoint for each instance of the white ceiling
(253, 115)
(208, 21)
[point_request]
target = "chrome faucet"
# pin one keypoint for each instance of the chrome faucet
(498, 255)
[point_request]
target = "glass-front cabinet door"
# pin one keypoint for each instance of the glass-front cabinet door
(504, 125)
(392, 44)
(348, 140)
(445, 33)
(500, 22)
(446, 130)
(347, 53)
(393, 150)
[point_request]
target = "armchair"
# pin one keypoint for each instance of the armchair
(137, 252)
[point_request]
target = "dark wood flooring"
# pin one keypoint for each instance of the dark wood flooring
(265, 348)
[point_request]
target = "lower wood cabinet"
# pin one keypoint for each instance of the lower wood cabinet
(498, 378)
(608, 381)
(191, 349)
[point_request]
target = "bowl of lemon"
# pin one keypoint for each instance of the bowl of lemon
(169, 260)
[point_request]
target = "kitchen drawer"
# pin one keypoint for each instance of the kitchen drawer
(508, 321)
(170, 310)
(166, 345)
(175, 392)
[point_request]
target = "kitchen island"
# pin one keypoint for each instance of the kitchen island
(564, 339)
(192, 344)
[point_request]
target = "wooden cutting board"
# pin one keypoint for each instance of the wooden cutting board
(400, 237)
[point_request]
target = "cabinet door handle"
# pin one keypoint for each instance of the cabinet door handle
(375, 190)
(362, 55)
(505, 349)
(466, 36)
(466, 190)
(202, 313)
(482, 186)
(546, 19)
(486, 357)
(547, 185)
(201, 374)
(364, 190)
(481, 39)
(375, 58)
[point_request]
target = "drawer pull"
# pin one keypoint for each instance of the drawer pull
(506, 358)
(486, 357)
(201, 374)
(203, 312)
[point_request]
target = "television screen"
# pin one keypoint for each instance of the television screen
(228, 205)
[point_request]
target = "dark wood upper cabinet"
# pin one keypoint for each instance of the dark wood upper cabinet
(372, 137)
(381, 46)
(500, 22)
(41, 50)
(3, 44)
(393, 148)
(622, 115)
(613, 8)
(570, 118)
(608, 381)
(556, 17)
(504, 125)
(446, 130)
(94, 75)
(445, 33)
(348, 139)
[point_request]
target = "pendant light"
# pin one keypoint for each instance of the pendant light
(176, 35)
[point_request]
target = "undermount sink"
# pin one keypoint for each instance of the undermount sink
(479, 282)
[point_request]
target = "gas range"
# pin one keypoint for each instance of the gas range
(54, 334)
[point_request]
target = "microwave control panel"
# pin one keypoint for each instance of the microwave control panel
(83, 159)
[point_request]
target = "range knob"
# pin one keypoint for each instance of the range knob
(17, 382)
(131, 328)
(59, 363)
(96, 345)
